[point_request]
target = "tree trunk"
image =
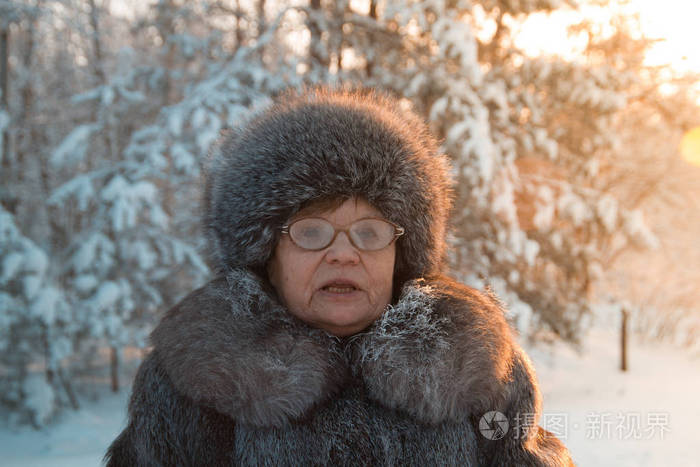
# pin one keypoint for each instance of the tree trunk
(262, 23)
(4, 89)
(372, 14)
(623, 340)
(316, 52)
(240, 37)
(7, 199)
(25, 110)
(97, 63)
(30, 170)
(68, 389)
(114, 366)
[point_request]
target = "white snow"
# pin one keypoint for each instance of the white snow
(127, 200)
(8, 229)
(35, 259)
(532, 248)
(80, 187)
(85, 283)
(635, 226)
(107, 96)
(546, 208)
(607, 210)
(96, 250)
(207, 134)
(73, 147)
(183, 160)
(644, 417)
(574, 208)
(106, 296)
(503, 202)
(144, 191)
(31, 284)
(159, 218)
(8, 304)
(457, 41)
(144, 254)
(116, 187)
(544, 216)
(40, 399)
(10, 266)
(78, 439)
(175, 121)
(46, 304)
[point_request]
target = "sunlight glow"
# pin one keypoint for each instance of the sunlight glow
(690, 146)
(674, 22)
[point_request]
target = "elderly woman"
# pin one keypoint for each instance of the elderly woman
(331, 338)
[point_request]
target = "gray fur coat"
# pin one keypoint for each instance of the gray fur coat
(234, 379)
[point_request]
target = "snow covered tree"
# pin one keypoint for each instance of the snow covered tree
(648, 174)
(36, 330)
(107, 123)
(134, 242)
(536, 141)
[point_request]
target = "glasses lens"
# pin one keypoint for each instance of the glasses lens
(311, 233)
(372, 234)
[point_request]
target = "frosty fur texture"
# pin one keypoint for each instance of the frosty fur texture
(232, 370)
(327, 144)
(235, 379)
(447, 346)
(246, 356)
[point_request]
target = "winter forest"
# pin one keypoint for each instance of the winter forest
(573, 202)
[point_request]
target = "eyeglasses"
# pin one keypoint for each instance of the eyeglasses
(367, 234)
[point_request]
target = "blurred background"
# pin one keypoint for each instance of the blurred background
(572, 126)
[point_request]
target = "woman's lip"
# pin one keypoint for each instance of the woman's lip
(350, 295)
(340, 283)
(339, 288)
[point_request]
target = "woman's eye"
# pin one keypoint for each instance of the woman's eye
(311, 232)
(367, 234)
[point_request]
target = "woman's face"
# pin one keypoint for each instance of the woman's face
(340, 288)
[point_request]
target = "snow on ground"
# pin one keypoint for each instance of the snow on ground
(78, 439)
(645, 417)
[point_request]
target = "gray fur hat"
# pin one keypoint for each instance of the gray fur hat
(323, 144)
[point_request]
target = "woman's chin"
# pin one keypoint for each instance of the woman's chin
(342, 315)
(342, 329)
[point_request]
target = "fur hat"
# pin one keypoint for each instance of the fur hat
(324, 144)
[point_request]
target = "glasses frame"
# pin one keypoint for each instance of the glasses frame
(398, 231)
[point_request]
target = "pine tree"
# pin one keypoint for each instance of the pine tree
(106, 124)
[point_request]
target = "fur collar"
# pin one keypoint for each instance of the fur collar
(442, 352)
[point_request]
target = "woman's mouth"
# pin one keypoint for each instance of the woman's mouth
(339, 288)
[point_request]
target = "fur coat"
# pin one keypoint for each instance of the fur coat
(234, 379)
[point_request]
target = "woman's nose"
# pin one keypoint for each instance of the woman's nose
(342, 250)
